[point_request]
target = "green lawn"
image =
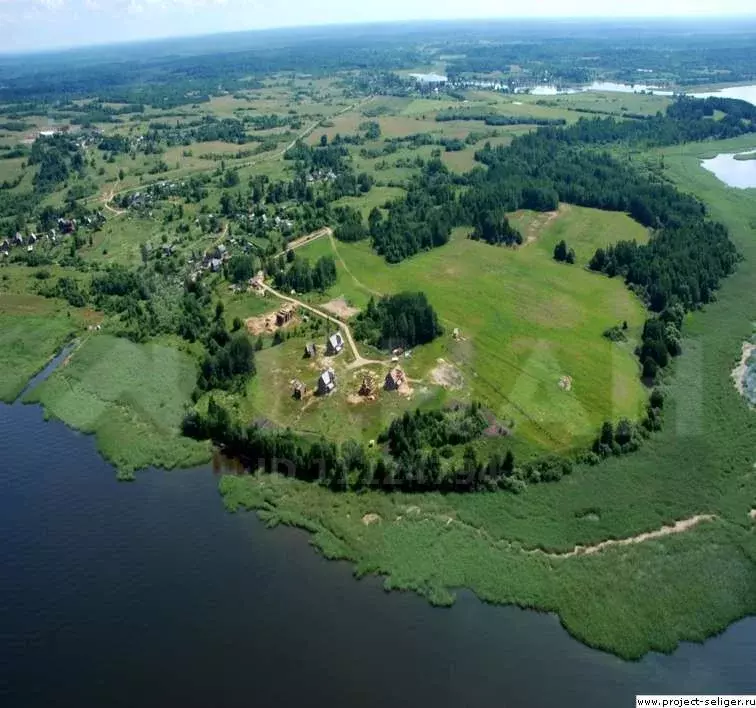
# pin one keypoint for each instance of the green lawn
(526, 322)
(131, 397)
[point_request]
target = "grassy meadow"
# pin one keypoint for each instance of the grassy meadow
(627, 599)
(132, 397)
(526, 321)
(33, 328)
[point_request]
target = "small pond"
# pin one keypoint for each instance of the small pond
(740, 173)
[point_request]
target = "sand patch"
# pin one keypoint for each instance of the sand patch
(677, 527)
(355, 399)
(369, 519)
(740, 372)
(341, 308)
(541, 221)
(447, 375)
(266, 324)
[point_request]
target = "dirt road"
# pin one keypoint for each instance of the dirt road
(359, 360)
(107, 197)
(304, 240)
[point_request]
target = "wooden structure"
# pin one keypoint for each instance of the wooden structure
(368, 385)
(394, 379)
(299, 390)
(310, 351)
(326, 382)
(284, 315)
(335, 344)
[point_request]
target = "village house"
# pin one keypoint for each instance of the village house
(67, 226)
(310, 351)
(326, 382)
(299, 390)
(284, 315)
(335, 344)
(394, 379)
(256, 283)
(367, 388)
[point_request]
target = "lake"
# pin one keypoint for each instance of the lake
(149, 594)
(745, 93)
(733, 172)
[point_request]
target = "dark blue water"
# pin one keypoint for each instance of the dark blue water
(150, 594)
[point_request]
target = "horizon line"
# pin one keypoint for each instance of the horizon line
(572, 19)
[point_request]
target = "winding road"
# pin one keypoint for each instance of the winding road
(359, 360)
(106, 197)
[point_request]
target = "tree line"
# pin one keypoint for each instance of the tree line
(494, 118)
(303, 277)
(431, 461)
(405, 319)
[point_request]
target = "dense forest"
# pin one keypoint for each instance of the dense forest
(57, 157)
(419, 453)
(421, 220)
(401, 320)
(302, 277)
(495, 119)
(180, 72)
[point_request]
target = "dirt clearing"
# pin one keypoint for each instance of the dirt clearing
(540, 222)
(677, 527)
(740, 372)
(267, 324)
(341, 308)
(447, 375)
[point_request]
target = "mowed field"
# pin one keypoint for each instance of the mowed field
(131, 396)
(525, 322)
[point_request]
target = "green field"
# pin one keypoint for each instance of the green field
(34, 328)
(31, 331)
(131, 397)
(627, 599)
(340, 416)
(526, 321)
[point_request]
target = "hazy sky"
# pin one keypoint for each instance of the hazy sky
(42, 24)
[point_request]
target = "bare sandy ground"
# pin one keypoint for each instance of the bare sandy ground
(266, 324)
(740, 371)
(447, 375)
(341, 308)
(678, 527)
